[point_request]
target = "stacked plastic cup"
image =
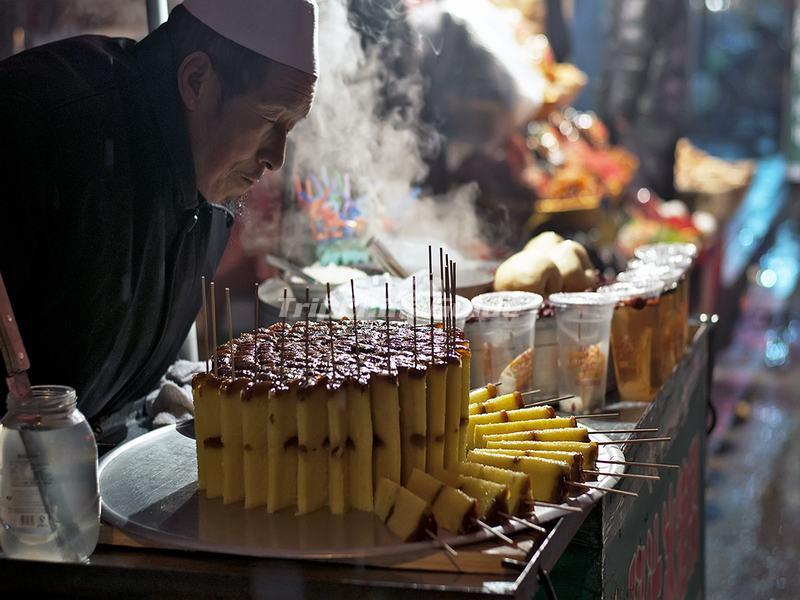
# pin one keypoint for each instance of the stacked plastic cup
(583, 320)
(501, 335)
(634, 328)
(423, 309)
(668, 341)
(679, 256)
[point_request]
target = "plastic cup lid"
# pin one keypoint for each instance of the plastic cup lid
(506, 303)
(665, 249)
(579, 299)
(628, 290)
(669, 275)
(678, 261)
(463, 307)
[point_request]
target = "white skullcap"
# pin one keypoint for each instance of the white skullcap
(281, 30)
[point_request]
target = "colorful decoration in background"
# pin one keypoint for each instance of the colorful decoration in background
(335, 217)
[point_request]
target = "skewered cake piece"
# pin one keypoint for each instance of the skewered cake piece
(302, 417)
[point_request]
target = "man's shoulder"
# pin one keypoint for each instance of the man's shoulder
(66, 71)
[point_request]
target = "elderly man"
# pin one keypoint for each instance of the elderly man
(115, 158)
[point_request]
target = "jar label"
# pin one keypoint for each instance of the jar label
(22, 501)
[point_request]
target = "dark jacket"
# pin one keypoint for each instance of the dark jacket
(103, 235)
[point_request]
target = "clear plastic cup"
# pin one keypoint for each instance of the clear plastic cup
(669, 343)
(633, 331)
(501, 335)
(584, 326)
(463, 309)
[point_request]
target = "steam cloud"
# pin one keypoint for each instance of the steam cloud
(381, 150)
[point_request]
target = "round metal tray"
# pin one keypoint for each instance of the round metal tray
(149, 490)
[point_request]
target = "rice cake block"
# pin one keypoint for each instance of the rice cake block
(514, 426)
(452, 508)
(518, 484)
(548, 477)
(407, 515)
(587, 449)
(573, 459)
(205, 387)
(282, 449)
(464, 421)
(358, 448)
(505, 402)
(413, 421)
(452, 415)
(255, 415)
(232, 441)
(482, 394)
(210, 410)
(435, 392)
(386, 447)
(313, 449)
(338, 480)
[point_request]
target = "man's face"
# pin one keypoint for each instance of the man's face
(234, 139)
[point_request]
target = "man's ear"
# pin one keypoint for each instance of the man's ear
(195, 75)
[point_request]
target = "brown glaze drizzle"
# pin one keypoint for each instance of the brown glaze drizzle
(331, 359)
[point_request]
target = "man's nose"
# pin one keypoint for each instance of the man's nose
(271, 155)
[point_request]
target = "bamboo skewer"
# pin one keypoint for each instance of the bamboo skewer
(641, 430)
(388, 338)
(305, 335)
(445, 546)
(597, 416)
(500, 536)
(430, 293)
(355, 328)
(525, 522)
(414, 307)
(551, 400)
(283, 335)
(637, 441)
(330, 332)
(256, 315)
(638, 464)
(214, 328)
(564, 507)
(599, 489)
(230, 331)
(523, 394)
(205, 325)
(629, 475)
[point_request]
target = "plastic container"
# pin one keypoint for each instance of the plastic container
(634, 328)
(502, 335)
(50, 503)
(463, 309)
(584, 327)
(673, 316)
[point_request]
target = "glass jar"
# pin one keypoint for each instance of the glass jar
(49, 496)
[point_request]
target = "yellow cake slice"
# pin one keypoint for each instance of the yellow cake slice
(282, 449)
(452, 415)
(436, 379)
(255, 415)
(515, 426)
(407, 515)
(359, 447)
(338, 474)
(491, 497)
(453, 509)
(210, 419)
(588, 450)
(232, 443)
(504, 402)
(312, 449)
(573, 459)
(205, 389)
(518, 484)
(548, 477)
(413, 421)
(386, 446)
(464, 420)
